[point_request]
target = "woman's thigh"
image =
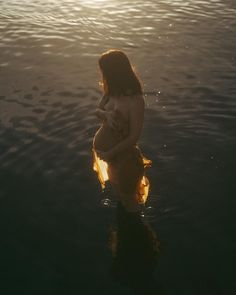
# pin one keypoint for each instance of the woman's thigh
(126, 174)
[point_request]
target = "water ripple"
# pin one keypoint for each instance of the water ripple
(184, 52)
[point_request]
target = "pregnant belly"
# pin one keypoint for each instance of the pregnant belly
(105, 138)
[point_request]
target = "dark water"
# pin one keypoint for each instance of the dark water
(53, 231)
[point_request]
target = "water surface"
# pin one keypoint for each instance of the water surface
(54, 234)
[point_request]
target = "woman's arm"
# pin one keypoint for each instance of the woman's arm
(100, 112)
(136, 115)
(105, 115)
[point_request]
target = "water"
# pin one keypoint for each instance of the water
(53, 231)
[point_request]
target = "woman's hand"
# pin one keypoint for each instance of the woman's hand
(105, 156)
(111, 119)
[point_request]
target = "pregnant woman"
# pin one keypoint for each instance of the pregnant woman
(121, 110)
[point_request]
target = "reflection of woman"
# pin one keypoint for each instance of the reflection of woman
(122, 111)
(135, 251)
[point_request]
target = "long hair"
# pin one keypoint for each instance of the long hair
(118, 76)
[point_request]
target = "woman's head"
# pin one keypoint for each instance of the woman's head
(118, 74)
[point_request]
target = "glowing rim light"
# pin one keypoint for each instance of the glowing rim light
(101, 168)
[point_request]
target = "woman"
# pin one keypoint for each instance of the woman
(122, 111)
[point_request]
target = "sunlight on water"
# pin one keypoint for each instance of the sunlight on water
(184, 52)
(92, 2)
(49, 49)
(169, 41)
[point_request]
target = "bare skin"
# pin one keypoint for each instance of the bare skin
(106, 137)
(106, 142)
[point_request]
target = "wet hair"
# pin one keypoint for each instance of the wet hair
(118, 75)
